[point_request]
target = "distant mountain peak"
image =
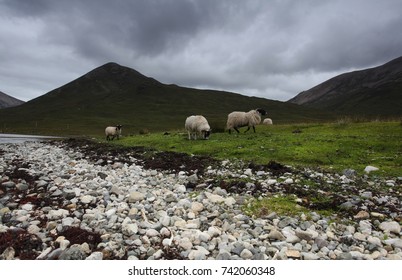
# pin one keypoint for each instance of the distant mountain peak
(373, 91)
(9, 101)
(116, 73)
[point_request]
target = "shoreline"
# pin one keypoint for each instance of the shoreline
(136, 203)
(7, 138)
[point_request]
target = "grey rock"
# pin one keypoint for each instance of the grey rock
(276, 235)
(246, 254)
(390, 227)
(309, 256)
(9, 184)
(223, 256)
(22, 187)
(286, 222)
(73, 253)
(345, 256)
(136, 196)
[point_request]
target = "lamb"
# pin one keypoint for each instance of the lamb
(113, 131)
(197, 125)
(267, 121)
(241, 119)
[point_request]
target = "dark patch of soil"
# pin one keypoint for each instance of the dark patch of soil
(277, 169)
(174, 161)
(24, 244)
(149, 158)
(78, 235)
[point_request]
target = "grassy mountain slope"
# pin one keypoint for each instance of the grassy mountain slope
(371, 92)
(113, 94)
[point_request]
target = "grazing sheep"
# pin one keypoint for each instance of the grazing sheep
(241, 119)
(113, 131)
(267, 121)
(197, 125)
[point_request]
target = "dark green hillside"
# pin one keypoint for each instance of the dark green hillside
(113, 94)
(374, 92)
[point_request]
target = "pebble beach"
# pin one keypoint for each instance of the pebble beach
(66, 199)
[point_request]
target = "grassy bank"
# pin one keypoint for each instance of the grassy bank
(334, 146)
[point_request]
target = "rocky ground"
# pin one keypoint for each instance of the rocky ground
(76, 199)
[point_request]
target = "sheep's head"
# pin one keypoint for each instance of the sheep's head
(261, 111)
(206, 134)
(119, 127)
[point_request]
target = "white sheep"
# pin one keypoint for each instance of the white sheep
(241, 119)
(267, 121)
(113, 131)
(197, 125)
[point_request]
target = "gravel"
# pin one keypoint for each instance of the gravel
(77, 200)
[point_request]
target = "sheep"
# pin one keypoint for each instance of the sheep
(267, 121)
(113, 131)
(241, 119)
(197, 125)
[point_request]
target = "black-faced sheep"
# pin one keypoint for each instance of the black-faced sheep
(197, 125)
(242, 119)
(113, 131)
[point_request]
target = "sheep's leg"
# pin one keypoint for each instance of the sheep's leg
(254, 128)
(235, 128)
(248, 128)
(189, 135)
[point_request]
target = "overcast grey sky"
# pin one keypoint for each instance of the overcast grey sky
(266, 48)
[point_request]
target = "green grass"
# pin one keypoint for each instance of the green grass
(281, 205)
(334, 146)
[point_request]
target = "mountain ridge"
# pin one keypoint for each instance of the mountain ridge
(367, 92)
(113, 94)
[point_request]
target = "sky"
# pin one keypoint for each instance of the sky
(265, 48)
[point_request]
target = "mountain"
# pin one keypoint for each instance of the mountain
(8, 101)
(113, 94)
(371, 92)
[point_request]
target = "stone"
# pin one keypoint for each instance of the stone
(374, 240)
(246, 254)
(304, 235)
(377, 215)
(152, 232)
(309, 256)
(197, 207)
(129, 228)
(350, 173)
(193, 179)
(394, 242)
(286, 222)
(8, 184)
(199, 254)
(135, 196)
(22, 186)
(390, 227)
(185, 244)
(87, 199)
(8, 254)
(289, 181)
(294, 254)
(370, 168)
(214, 198)
(95, 256)
(73, 253)
(224, 256)
(362, 215)
(275, 235)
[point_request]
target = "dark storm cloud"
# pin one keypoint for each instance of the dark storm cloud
(273, 49)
